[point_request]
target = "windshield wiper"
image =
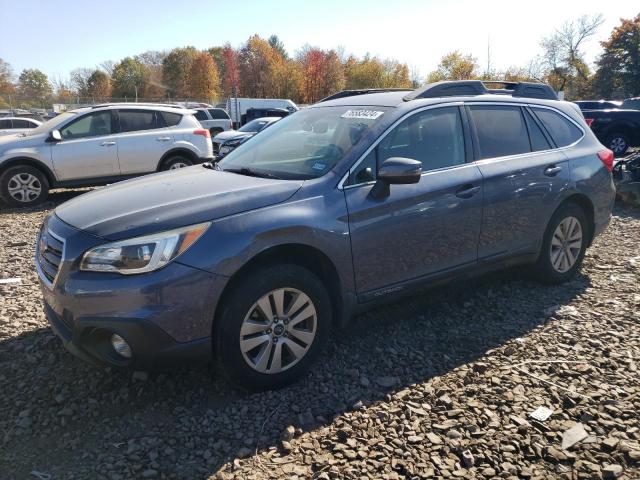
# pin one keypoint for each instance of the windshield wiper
(251, 173)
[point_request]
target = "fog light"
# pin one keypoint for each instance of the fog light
(120, 345)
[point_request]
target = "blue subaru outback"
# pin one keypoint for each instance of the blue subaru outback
(353, 201)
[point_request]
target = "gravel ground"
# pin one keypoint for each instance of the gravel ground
(439, 385)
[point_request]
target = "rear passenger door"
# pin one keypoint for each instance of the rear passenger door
(523, 176)
(143, 139)
(420, 229)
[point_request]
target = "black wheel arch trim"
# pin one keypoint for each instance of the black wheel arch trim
(32, 162)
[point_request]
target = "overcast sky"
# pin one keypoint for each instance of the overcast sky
(57, 36)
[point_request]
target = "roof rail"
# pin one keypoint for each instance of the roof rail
(361, 91)
(458, 88)
(141, 104)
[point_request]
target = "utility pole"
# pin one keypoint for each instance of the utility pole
(136, 88)
(488, 55)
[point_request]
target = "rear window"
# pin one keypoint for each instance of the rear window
(201, 115)
(135, 120)
(168, 119)
(501, 130)
(538, 140)
(218, 114)
(563, 131)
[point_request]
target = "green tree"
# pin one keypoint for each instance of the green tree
(128, 78)
(34, 86)
(79, 79)
(99, 86)
(153, 83)
(366, 73)
(176, 68)
(455, 66)
(618, 68)
(278, 46)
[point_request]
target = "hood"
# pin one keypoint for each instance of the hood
(168, 200)
(10, 142)
(231, 134)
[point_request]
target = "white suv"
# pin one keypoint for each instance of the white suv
(215, 120)
(98, 145)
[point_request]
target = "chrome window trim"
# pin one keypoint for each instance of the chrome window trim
(345, 177)
(41, 274)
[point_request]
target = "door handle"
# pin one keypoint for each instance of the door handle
(467, 191)
(163, 139)
(552, 170)
(107, 144)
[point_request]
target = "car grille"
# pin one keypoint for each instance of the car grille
(49, 253)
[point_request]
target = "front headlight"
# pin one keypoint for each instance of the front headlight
(142, 254)
(233, 143)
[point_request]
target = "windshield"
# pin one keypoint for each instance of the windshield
(304, 145)
(254, 126)
(52, 124)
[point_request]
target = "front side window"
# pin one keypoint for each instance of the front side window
(305, 145)
(135, 120)
(501, 130)
(91, 125)
(561, 129)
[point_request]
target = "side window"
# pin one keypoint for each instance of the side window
(218, 114)
(170, 119)
(501, 130)
(91, 125)
(434, 137)
(201, 115)
(561, 130)
(5, 124)
(22, 124)
(538, 140)
(136, 120)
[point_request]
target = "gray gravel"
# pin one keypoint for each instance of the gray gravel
(439, 385)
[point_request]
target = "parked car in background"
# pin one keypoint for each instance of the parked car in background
(237, 107)
(617, 129)
(15, 125)
(225, 142)
(18, 112)
(597, 104)
(253, 113)
(98, 145)
(631, 104)
(344, 205)
(215, 120)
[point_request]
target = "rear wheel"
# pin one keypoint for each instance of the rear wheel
(272, 326)
(23, 186)
(618, 143)
(564, 245)
(176, 162)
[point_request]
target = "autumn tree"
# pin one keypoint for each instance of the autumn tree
(34, 85)
(396, 75)
(618, 68)
(204, 81)
(256, 61)
(455, 66)
(230, 71)
(365, 73)
(176, 68)
(7, 87)
(62, 90)
(152, 60)
(79, 78)
(128, 79)
(322, 73)
(99, 86)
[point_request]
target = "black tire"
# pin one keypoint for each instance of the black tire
(215, 131)
(174, 160)
(14, 174)
(544, 269)
(238, 304)
(618, 143)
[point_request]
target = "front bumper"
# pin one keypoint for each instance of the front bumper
(163, 315)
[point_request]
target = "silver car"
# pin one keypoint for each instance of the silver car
(98, 145)
(15, 125)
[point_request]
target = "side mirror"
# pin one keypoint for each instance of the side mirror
(396, 170)
(54, 136)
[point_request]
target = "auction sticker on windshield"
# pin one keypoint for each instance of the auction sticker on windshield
(365, 114)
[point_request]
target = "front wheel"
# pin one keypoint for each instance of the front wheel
(23, 186)
(564, 245)
(272, 326)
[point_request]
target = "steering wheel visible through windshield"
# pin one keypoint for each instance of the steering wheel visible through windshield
(304, 145)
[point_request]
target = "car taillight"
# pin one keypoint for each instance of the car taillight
(202, 131)
(606, 157)
(589, 121)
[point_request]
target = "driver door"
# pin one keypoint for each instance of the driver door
(88, 148)
(419, 229)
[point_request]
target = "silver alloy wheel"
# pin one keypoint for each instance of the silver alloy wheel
(618, 145)
(566, 244)
(278, 330)
(24, 187)
(178, 165)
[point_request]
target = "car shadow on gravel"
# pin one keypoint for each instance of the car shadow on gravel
(190, 422)
(56, 197)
